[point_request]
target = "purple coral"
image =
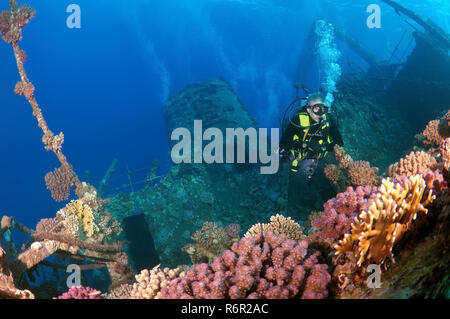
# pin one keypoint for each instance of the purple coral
(48, 225)
(80, 292)
(264, 266)
(59, 182)
(340, 212)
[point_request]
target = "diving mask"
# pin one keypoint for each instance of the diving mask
(319, 109)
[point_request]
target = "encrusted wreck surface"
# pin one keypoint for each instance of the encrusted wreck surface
(372, 129)
(191, 194)
(213, 101)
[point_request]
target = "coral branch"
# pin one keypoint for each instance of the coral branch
(11, 24)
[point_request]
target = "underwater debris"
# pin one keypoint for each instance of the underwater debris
(11, 24)
(211, 241)
(263, 266)
(7, 287)
(390, 214)
(140, 244)
(190, 194)
(278, 225)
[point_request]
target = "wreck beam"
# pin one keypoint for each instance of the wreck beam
(432, 29)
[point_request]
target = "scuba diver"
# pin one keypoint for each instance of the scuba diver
(310, 135)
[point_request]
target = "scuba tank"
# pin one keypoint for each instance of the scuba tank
(294, 106)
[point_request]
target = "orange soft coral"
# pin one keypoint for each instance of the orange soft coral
(333, 173)
(445, 153)
(342, 157)
(375, 231)
(413, 164)
(361, 174)
(431, 133)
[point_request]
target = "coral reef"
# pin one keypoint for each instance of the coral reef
(389, 215)
(347, 274)
(7, 288)
(364, 223)
(263, 266)
(80, 292)
(339, 213)
(59, 182)
(150, 283)
(432, 135)
(358, 173)
(85, 216)
(444, 126)
(278, 225)
(12, 22)
(48, 225)
(333, 173)
(435, 181)
(342, 157)
(422, 262)
(121, 292)
(413, 164)
(190, 194)
(445, 154)
(211, 241)
(361, 174)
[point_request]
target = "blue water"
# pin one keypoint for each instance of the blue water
(104, 85)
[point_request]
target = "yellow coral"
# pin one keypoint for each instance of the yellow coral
(375, 231)
(84, 214)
